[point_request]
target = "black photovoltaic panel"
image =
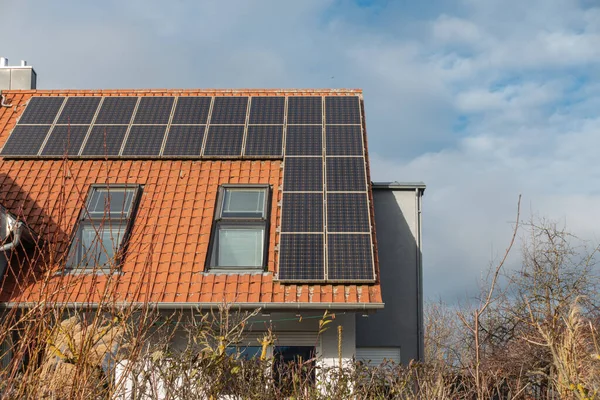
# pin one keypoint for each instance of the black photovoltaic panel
(184, 140)
(25, 140)
(346, 174)
(41, 110)
(301, 257)
(302, 212)
(191, 110)
(267, 110)
(305, 110)
(229, 110)
(304, 140)
(264, 140)
(65, 140)
(303, 174)
(144, 140)
(225, 140)
(343, 140)
(349, 257)
(79, 110)
(116, 110)
(154, 110)
(342, 110)
(347, 212)
(105, 140)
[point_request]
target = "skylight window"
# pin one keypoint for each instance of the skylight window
(240, 228)
(103, 227)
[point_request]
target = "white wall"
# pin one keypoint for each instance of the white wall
(289, 329)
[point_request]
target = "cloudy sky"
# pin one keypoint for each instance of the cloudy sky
(482, 100)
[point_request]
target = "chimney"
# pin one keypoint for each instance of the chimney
(18, 77)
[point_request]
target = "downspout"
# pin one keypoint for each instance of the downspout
(18, 232)
(420, 330)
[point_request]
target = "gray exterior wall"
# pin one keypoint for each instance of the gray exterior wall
(398, 228)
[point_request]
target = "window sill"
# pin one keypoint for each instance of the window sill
(234, 271)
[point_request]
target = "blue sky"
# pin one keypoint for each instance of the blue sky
(481, 100)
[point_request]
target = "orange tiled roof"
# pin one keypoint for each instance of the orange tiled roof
(167, 249)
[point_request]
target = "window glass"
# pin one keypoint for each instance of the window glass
(240, 246)
(115, 201)
(246, 353)
(244, 203)
(98, 247)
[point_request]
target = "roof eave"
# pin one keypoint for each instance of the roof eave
(398, 185)
(279, 306)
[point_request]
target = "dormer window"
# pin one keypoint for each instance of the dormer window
(103, 227)
(240, 228)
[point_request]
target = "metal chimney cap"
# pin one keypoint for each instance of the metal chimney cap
(23, 63)
(3, 62)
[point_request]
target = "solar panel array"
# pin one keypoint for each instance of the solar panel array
(150, 127)
(326, 232)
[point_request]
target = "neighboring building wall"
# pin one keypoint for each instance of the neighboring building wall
(22, 77)
(398, 226)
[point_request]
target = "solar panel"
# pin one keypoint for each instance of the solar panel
(304, 140)
(225, 140)
(65, 140)
(229, 110)
(305, 110)
(25, 140)
(347, 212)
(144, 140)
(79, 110)
(105, 140)
(184, 140)
(301, 257)
(264, 140)
(116, 110)
(41, 110)
(191, 110)
(342, 110)
(302, 212)
(303, 174)
(344, 140)
(154, 110)
(346, 174)
(349, 257)
(267, 110)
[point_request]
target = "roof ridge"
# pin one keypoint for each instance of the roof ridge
(190, 90)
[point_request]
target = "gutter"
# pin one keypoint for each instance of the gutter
(203, 305)
(399, 185)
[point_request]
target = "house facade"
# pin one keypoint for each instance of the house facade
(191, 199)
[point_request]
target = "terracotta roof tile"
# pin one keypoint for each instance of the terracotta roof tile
(254, 291)
(167, 250)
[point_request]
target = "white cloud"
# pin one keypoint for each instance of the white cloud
(493, 99)
(452, 30)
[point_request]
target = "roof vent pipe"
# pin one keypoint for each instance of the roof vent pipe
(18, 231)
(3, 62)
(23, 63)
(3, 100)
